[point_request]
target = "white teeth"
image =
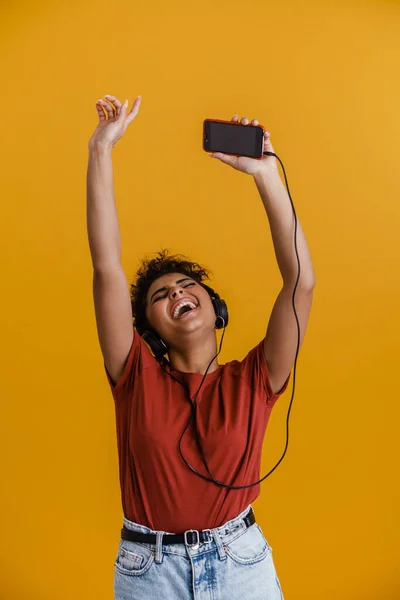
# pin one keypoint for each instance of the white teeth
(179, 306)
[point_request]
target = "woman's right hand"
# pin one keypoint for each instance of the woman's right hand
(109, 130)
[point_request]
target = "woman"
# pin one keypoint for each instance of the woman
(189, 430)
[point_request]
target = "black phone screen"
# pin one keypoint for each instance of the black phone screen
(232, 138)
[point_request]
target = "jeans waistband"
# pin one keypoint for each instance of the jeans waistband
(193, 537)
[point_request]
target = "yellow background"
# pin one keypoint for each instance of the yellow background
(322, 77)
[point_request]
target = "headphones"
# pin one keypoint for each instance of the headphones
(159, 347)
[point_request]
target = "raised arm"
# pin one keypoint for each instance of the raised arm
(110, 287)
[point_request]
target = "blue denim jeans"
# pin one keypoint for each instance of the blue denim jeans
(236, 564)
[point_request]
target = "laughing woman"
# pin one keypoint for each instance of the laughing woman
(189, 430)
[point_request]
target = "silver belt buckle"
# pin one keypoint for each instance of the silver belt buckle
(210, 533)
(196, 545)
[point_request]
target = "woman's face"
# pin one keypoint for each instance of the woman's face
(163, 300)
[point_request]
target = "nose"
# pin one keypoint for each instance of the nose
(175, 292)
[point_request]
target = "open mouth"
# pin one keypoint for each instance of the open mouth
(184, 311)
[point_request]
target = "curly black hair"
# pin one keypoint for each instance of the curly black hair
(152, 269)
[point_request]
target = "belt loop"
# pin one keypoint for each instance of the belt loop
(159, 538)
(220, 546)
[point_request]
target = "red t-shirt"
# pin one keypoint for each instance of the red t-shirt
(234, 404)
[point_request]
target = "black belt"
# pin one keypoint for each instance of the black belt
(191, 536)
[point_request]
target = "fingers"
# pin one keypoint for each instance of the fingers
(244, 120)
(134, 110)
(114, 107)
(135, 106)
(100, 111)
(102, 104)
(108, 107)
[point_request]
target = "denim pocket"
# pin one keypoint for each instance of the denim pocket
(249, 547)
(133, 558)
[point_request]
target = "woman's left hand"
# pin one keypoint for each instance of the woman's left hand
(251, 166)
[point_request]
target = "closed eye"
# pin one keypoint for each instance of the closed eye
(165, 295)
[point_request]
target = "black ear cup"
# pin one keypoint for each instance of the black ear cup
(220, 308)
(158, 346)
(155, 342)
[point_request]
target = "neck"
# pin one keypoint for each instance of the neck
(194, 359)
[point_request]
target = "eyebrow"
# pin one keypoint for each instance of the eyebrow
(165, 288)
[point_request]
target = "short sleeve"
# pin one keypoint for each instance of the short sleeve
(139, 358)
(254, 369)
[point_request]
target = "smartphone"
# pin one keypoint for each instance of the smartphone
(233, 138)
